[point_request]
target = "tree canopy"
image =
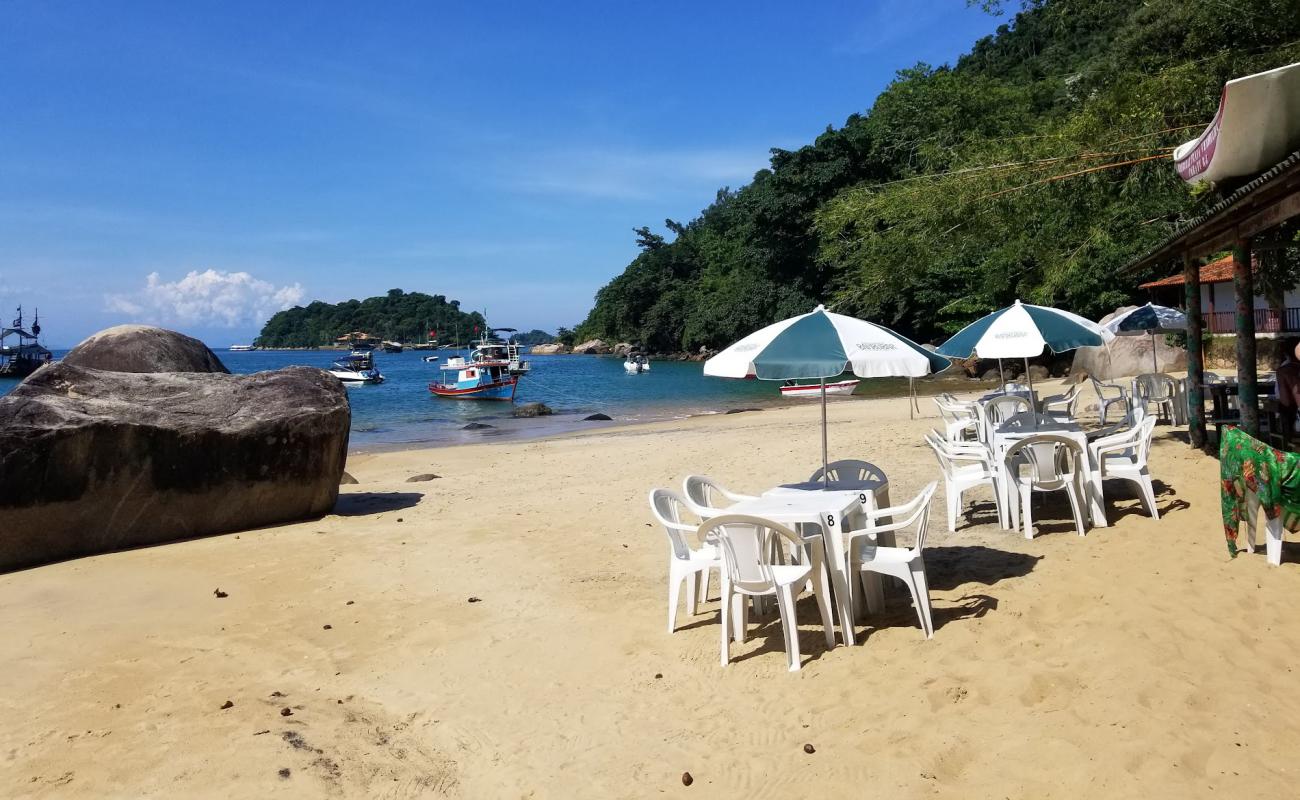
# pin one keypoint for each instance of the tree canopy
(397, 315)
(1033, 168)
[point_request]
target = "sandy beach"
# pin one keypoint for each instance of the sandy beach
(499, 632)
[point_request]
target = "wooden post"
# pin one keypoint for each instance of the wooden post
(1195, 353)
(1243, 281)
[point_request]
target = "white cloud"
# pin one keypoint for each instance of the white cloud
(211, 297)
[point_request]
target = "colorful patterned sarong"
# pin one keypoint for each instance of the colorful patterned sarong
(1248, 465)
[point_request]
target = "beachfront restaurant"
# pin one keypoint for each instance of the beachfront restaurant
(1256, 219)
(1250, 152)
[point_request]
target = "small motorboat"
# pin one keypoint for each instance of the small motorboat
(357, 367)
(813, 390)
(635, 365)
(432, 359)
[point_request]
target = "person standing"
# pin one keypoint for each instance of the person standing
(1288, 389)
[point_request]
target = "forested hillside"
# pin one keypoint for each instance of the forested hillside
(398, 315)
(1033, 168)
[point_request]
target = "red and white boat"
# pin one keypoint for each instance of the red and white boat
(814, 390)
(1257, 125)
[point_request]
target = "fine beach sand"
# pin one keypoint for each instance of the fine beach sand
(1139, 661)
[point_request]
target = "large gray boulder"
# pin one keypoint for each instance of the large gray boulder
(141, 348)
(1126, 356)
(94, 460)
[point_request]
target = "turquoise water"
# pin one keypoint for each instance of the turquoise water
(402, 411)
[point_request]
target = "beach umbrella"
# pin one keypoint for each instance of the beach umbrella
(1022, 331)
(1149, 319)
(822, 345)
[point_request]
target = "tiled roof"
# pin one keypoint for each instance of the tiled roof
(1214, 272)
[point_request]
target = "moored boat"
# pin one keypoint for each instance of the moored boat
(635, 365)
(22, 359)
(240, 348)
(475, 380)
(490, 349)
(357, 367)
(813, 390)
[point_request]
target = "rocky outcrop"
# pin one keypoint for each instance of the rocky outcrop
(1127, 355)
(623, 348)
(533, 410)
(94, 460)
(553, 349)
(592, 347)
(140, 348)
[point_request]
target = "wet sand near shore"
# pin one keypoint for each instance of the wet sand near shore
(499, 631)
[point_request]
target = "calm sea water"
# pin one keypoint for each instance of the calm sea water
(401, 410)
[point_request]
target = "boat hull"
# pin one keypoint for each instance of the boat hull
(839, 388)
(501, 390)
(357, 377)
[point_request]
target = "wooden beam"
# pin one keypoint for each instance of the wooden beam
(1195, 352)
(1243, 281)
(1272, 215)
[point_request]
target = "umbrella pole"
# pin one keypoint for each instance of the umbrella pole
(1154, 366)
(1001, 377)
(826, 478)
(1032, 405)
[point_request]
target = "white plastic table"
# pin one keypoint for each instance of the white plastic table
(869, 494)
(1023, 425)
(826, 510)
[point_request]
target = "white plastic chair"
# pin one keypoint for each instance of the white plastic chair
(749, 570)
(964, 467)
(686, 561)
(1000, 409)
(705, 496)
(904, 563)
(1103, 401)
(1061, 407)
(1156, 390)
(959, 419)
(850, 469)
(1124, 456)
(1050, 464)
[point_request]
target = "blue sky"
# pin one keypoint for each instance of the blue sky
(200, 165)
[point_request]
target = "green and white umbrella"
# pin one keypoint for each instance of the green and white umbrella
(1022, 331)
(823, 345)
(1149, 319)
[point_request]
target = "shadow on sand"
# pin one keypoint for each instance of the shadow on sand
(359, 504)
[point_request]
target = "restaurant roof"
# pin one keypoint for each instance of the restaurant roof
(1219, 271)
(1262, 203)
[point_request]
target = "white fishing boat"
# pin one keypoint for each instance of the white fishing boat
(635, 365)
(240, 348)
(357, 367)
(814, 390)
(491, 349)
